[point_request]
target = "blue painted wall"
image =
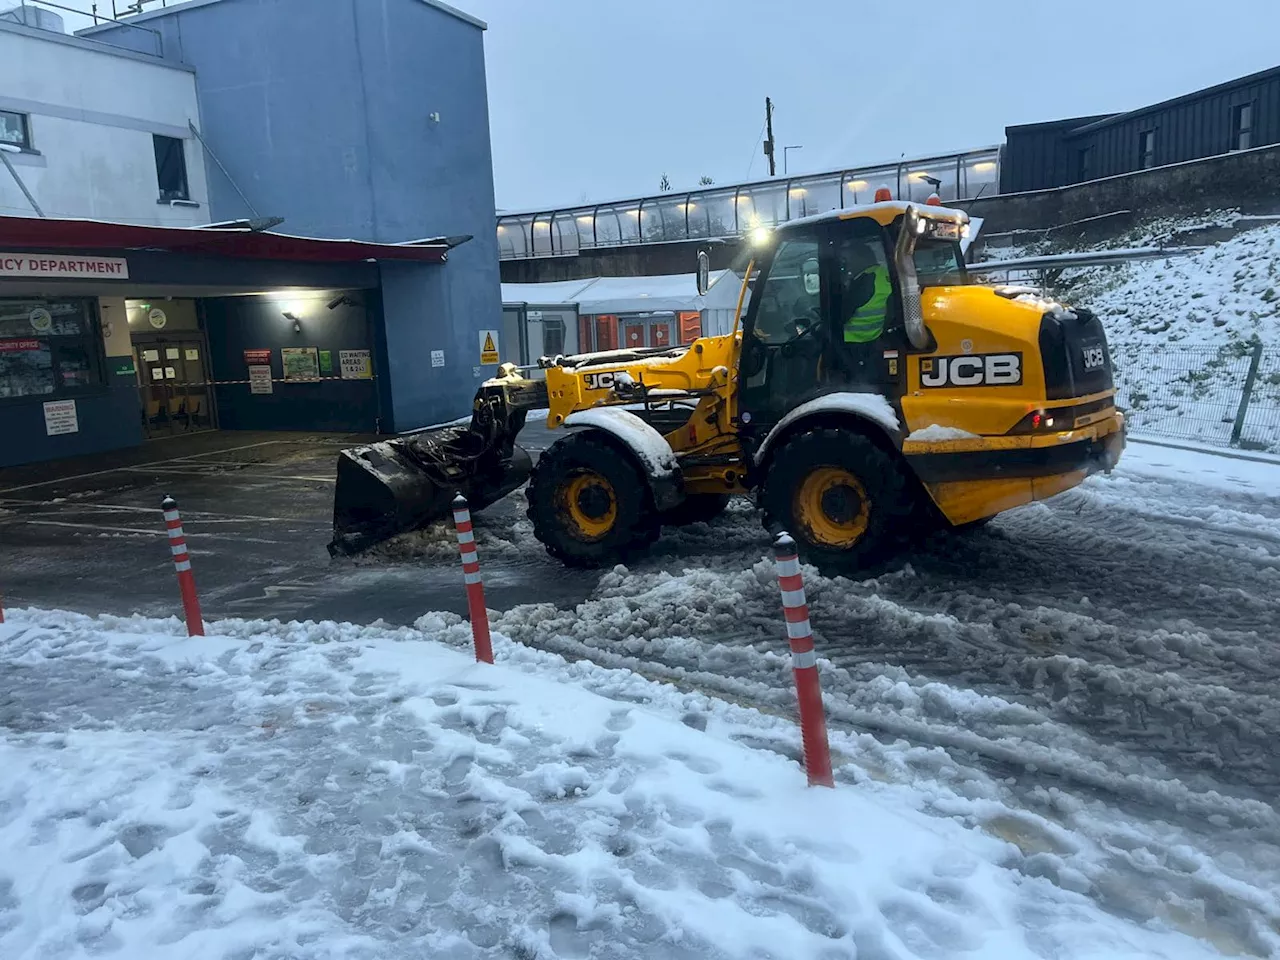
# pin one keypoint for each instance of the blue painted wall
(236, 324)
(322, 112)
(109, 419)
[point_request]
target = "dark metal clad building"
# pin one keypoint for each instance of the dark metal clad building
(1237, 115)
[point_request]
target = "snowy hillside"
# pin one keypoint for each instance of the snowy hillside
(1228, 292)
(1182, 329)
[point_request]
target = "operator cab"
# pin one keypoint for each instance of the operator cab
(833, 307)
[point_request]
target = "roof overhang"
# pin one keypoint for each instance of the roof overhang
(223, 240)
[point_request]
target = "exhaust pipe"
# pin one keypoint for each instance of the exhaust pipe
(909, 281)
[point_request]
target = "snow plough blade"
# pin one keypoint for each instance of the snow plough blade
(385, 489)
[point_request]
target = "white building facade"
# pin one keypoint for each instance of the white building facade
(95, 131)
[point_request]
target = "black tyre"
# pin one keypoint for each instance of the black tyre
(844, 499)
(696, 508)
(589, 503)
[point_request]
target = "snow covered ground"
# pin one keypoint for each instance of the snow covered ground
(1054, 738)
(336, 791)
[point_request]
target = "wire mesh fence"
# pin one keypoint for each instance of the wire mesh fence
(1227, 394)
(1262, 419)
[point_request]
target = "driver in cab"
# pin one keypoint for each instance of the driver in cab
(866, 292)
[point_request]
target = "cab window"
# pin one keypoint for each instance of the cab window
(791, 296)
(939, 262)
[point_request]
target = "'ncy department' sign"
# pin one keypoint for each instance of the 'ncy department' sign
(58, 265)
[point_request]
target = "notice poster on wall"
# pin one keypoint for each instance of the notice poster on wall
(257, 358)
(60, 417)
(260, 379)
(437, 358)
(151, 355)
(192, 353)
(300, 363)
(326, 362)
(171, 353)
(355, 364)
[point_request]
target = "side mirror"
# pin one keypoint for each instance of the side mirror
(812, 279)
(704, 272)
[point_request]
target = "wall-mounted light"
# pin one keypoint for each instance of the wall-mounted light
(297, 324)
(341, 300)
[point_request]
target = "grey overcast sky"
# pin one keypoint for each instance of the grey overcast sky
(595, 99)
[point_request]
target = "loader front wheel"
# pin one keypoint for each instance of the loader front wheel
(589, 503)
(840, 496)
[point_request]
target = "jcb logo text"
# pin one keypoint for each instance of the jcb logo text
(972, 370)
(599, 381)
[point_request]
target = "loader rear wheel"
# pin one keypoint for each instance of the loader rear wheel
(696, 508)
(589, 502)
(841, 497)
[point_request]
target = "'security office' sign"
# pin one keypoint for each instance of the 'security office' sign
(57, 265)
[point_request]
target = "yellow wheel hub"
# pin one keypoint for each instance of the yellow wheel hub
(588, 502)
(832, 505)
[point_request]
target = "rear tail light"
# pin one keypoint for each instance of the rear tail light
(1043, 421)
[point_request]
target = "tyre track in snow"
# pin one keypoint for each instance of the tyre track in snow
(1108, 658)
(1054, 774)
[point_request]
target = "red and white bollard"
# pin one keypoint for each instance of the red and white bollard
(471, 575)
(182, 564)
(804, 664)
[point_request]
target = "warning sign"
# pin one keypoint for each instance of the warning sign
(259, 379)
(60, 417)
(488, 347)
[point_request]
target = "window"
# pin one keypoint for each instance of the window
(15, 128)
(171, 168)
(47, 347)
(939, 262)
(791, 296)
(1084, 164)
(1146, 150)
(1242, 126)
(818, 195)
(552, 337)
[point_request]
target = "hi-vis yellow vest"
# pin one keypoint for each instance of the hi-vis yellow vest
(867, 322)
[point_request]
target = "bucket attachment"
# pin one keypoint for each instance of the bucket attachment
(385, 489)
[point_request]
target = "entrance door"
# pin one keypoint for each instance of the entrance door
(660, 333)
(174, 383)
(785, 339)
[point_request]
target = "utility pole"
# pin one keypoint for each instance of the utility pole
(768, 140)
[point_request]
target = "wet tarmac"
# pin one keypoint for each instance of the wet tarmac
(87, 535)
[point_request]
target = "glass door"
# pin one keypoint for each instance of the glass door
(173, 381)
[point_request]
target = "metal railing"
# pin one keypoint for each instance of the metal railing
(730, 211)
(1226, 395)
(154, 41)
